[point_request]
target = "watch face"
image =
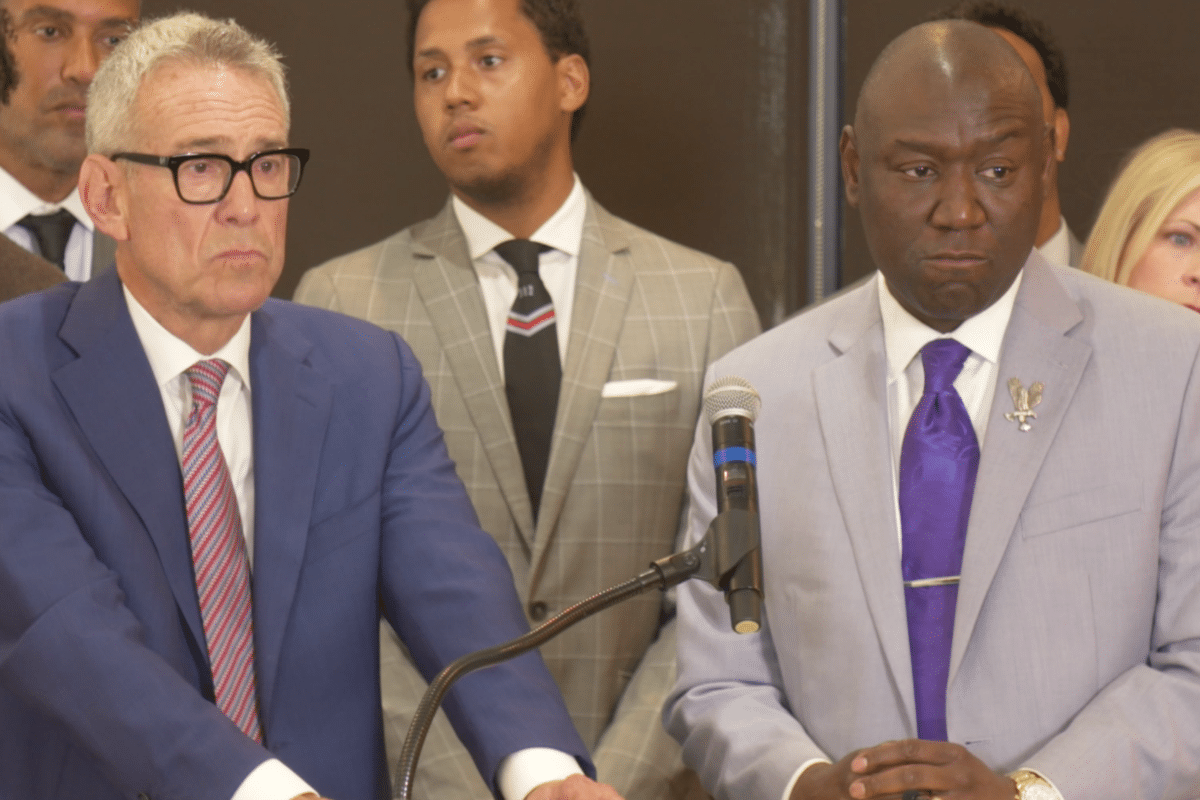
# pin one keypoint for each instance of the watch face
(1032, 787)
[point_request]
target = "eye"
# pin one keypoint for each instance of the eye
(998, 173)
(433, 74)
(50, 32)
(919, 171)
(490, 61)
(198, 167)
(1180, 239)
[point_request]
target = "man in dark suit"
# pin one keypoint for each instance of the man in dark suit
(166, 429)
(21, 272)
(48, 56)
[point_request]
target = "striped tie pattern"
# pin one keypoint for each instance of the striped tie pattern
(532, 372)
(219, 553)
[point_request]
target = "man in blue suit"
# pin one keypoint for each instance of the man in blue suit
(207, 496)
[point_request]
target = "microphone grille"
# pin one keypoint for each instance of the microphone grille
(731, 396)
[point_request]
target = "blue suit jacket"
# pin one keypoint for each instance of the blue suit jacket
(105, 689)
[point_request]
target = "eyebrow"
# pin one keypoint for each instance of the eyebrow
(59, 15)
(926, 146)
(211, 143)
(482, 41)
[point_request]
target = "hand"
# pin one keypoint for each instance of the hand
(576, 787)
(936, 769)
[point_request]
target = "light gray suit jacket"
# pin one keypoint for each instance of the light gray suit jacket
(1077, 635)
(644, 308)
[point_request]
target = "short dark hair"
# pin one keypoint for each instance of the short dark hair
(1017, 21)
(559, 23)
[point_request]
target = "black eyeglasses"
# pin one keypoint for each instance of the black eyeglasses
(206, 177)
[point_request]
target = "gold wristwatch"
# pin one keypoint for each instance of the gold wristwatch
(1031, 786)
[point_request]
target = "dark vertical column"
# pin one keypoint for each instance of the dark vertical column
(826, 58)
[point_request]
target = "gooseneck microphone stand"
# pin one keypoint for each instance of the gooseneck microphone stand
(729, 545)
(728, 557)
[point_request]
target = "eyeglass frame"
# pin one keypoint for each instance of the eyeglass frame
(173, 163)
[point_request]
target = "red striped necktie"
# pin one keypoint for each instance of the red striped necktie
(219, 553)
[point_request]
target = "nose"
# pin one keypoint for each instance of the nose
(240, 204)
(1191, 270)
(81, 60)
(462, 87)
(957, 205)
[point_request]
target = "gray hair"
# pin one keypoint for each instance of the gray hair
(184, 38)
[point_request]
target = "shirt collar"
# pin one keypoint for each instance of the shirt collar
(169, 355)
(16, 201)
(1057, 249)
(904, 335)
(563, 231)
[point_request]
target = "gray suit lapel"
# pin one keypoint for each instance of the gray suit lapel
(1036, 348)
(603, 285)
(852, 403)
(104, 251)
(449, 288)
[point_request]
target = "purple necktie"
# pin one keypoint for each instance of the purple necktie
(938, 462)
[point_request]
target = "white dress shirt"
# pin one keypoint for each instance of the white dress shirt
(498, 280)
(903, 337)
(16, 202)
(1057, 249)
(169, 358)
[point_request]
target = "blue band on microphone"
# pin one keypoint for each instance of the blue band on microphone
(734, 454)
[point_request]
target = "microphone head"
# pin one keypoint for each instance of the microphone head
(731, 396)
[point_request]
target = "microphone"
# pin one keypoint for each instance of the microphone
(731, 405)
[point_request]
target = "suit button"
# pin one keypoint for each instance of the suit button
(537, 611)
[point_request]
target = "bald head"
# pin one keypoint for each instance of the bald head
(946, 163)
(949, 56)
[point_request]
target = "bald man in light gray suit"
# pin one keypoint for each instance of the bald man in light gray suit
(1074, 665)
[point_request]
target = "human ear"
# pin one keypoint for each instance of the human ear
(574, 82)
(850, 163)
(102, 190)
(1062, 132)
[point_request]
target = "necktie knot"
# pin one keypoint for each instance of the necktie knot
(51, 231)
(943, 359)
(521, 254)
(206, 378)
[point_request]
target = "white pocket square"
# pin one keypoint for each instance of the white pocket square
(638, 387)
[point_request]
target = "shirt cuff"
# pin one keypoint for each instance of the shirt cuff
(787, 790)
(525, 770)
(271, 780)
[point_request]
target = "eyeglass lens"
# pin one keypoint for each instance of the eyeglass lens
(203, 179)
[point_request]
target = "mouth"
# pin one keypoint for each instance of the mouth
(956, 259)
(464, 136)
(1192, 307)
(241, 255)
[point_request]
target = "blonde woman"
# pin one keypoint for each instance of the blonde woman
(1147, 235)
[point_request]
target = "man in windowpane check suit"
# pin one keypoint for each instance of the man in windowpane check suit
(565, 366)
(208, 497)
(979, 488)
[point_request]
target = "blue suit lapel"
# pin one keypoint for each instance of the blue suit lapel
(1037, 347)
(291, 404)
(111, 392)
